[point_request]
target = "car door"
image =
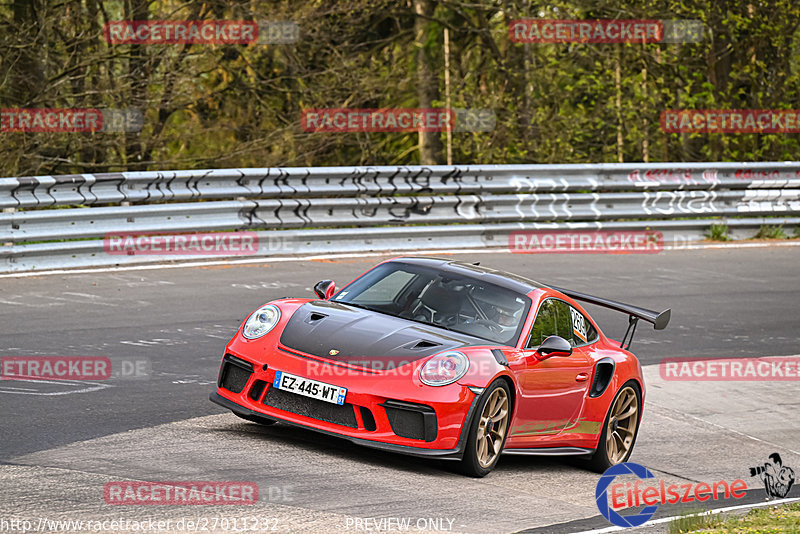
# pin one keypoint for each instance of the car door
(552, 391)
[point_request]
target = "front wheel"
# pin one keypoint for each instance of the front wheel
(619, 429)
(488, 430)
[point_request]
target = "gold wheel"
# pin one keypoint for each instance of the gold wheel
(621, 429)
(492, 428)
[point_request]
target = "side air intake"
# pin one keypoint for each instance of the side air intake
(603, 373)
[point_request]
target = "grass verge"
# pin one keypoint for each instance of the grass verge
(771, 520)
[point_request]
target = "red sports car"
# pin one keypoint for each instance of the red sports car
(442, 359)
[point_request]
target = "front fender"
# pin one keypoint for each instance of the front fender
(484, 367)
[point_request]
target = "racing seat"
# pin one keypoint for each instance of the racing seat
(437, 303)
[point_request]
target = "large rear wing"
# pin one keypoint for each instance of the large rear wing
(658, 320)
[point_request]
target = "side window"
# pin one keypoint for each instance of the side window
(553, 319)
(557, 318)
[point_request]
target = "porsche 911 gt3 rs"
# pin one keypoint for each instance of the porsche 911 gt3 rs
(443, 359)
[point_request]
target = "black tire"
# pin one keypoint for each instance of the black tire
(600, 460)
(470, 463)
(266, 421)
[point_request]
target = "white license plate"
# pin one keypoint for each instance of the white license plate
(309, 388)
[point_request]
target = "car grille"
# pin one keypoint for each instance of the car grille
(234, 374)
(308, 407)
(369, 420)
(257, 389)
(413, 421)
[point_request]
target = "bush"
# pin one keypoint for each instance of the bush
(770, 232)
(718, 232)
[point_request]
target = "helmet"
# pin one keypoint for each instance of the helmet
(502, 307)
(504, 316)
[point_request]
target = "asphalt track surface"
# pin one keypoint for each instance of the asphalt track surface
(60, 442)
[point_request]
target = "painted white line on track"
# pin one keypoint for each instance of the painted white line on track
(708, 512)
(723, 427)
(760, 244)
(345, 255)
(266, 259)
(728, 429)
(90, 386)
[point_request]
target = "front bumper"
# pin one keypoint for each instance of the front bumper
(442, 454)
(382, 411)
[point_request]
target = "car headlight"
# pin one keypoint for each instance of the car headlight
(261, 321)
(444, 368)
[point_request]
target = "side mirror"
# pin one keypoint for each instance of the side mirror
(325, 289)
(553, 346)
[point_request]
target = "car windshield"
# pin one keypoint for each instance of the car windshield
(452, 301)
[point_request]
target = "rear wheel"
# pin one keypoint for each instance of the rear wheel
(266, 421)
(619, 429)
(488, 430)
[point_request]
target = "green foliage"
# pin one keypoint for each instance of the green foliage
(718, 232)
(694, 521)
(770, 232)
(239, 105)
(771, 520)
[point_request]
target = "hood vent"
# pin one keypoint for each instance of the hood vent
(313, 317)
(422, 344)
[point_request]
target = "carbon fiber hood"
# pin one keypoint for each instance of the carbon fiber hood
(365, 338)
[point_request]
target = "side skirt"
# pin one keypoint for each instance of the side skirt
(551, 451)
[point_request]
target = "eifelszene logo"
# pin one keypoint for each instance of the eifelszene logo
(627, 495)
(601, 495)
(777, 478)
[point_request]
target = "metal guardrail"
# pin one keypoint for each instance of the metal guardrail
(431, 205)
(175, 186)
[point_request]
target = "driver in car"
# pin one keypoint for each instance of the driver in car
(504, 310)
(505, 317)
